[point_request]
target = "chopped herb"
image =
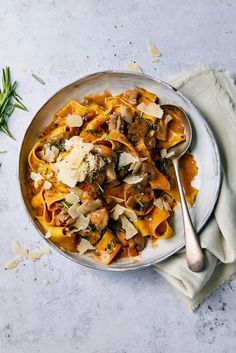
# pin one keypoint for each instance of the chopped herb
(162, 164)
(38, 79)
(61, 145)
(65, 206)
(154, 127)
(105, 137)
(139, 205)
(7, 94)
(90, 178)
(99, 187)
(89, 227)
(90, 131)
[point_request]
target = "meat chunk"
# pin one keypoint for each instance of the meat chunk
(150, 142)
(99, 219)
(137, 130)
(117, 123)
(148, 168)
(137, 242)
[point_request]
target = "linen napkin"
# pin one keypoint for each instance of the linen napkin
(214, 94)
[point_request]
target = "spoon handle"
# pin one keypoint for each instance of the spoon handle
(194, 254)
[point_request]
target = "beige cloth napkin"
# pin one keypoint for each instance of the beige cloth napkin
(214, 94)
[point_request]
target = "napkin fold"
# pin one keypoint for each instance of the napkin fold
(213, 92)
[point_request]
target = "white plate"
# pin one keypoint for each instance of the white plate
(203, 147)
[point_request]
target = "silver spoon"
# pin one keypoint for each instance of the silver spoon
(194, 253)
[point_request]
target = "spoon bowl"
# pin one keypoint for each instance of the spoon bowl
(194, 254)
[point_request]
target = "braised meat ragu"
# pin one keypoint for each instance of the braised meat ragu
(99, 180)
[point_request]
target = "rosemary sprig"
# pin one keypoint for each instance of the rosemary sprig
(7, 96)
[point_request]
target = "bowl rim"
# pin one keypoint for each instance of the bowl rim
(164, 257)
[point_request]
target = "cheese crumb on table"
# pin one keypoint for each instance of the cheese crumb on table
(154, 52)
(13, 263)
(133, 67)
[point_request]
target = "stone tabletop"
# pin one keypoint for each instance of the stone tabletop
(83, 310)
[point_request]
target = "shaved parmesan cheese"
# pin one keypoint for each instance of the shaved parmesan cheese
(163, 152)
(51, 154)
(127, 158)
(133, 179)
(17, 249)
(84, 246)
(48, 235)
(82, 222)
(167, 206)
(168, 118)
(72, 198)
(38, 253)
(158, 203)
(170, 154)
(162, 204)
(120, 210)
(47, 185)
(88, 206)
(76, 190)
(110, 172)
(73, 211)
(116, 199)
(74, 120)
(154, 52)
(152, 109)
(127, 113)
(13, 263)
(133, 67)
(37, 178)
(72, 168)
(128, 227)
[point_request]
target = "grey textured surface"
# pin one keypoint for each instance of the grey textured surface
(83, 310)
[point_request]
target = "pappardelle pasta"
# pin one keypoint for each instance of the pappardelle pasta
(99, 182)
